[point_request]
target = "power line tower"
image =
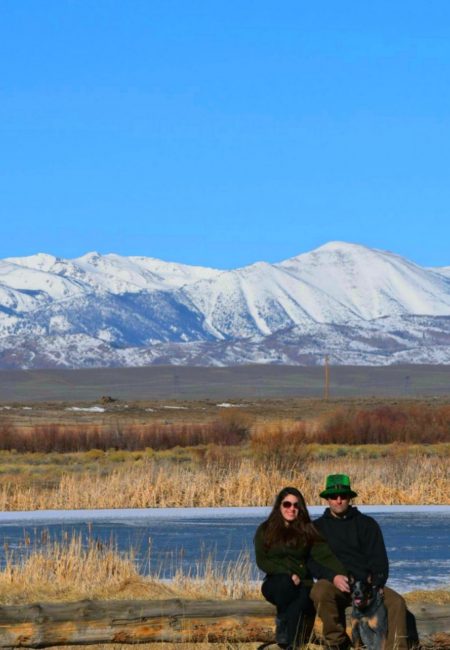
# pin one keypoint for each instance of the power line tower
(326, 390)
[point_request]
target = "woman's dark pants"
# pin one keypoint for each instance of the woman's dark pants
(295, 609)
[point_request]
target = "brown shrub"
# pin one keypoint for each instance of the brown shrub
(282, 443)
(386, 424)
(230, 429)
(234, 426)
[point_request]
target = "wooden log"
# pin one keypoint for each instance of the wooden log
(87, 622)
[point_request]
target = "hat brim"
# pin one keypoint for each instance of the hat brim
(326, 494)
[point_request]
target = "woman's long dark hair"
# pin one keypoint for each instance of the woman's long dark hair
(299, 531)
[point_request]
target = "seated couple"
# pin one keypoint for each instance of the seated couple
(292, 551)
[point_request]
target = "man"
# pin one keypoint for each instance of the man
(357, 541)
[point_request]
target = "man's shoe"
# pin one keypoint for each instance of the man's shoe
(281, 633)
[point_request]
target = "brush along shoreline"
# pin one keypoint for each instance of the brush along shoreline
(219, 477)
(72, 570)
(138, 455)
(77, 568)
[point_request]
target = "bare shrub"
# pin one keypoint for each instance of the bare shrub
(386, 424)
(8, 436)
(282, 442)
(230, 429)
(234, 426)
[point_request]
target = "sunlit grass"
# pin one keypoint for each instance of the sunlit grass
(436, 596)
(76, 568)
(216, 476)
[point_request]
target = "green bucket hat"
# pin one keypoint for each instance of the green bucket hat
(337, 484)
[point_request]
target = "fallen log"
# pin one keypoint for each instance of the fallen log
(86, 622)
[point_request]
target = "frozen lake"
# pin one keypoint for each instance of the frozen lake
(417, 537)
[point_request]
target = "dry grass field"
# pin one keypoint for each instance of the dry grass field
(74, 570)
(204, 452)
(119, 438)
(133, 481)
(138, 454)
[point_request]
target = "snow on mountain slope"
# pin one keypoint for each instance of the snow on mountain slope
(406, 340)
(355, 302)
(337, 283)
(38, 282)
(114, 273)
(372, 283)
(443, 270)
(13, 301)
(261, 299)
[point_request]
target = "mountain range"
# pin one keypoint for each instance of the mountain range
(358, 305)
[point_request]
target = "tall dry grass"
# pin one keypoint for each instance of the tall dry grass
(74, 569)
(397, 478)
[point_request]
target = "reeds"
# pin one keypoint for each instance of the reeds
(232, 461)
(67, 570)
(76, 568)
(392, 478)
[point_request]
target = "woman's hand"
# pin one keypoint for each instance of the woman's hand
(296, 579)
(341, 582)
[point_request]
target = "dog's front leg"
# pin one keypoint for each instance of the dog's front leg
(380, 640)
(356, 636)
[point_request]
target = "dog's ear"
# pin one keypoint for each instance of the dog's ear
(351, 579)
(369, 577)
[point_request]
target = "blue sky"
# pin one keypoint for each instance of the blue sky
(224, 132)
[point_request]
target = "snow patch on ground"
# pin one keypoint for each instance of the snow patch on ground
(89, 409)
(176, 408)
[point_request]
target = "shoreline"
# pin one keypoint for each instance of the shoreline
(112, 514)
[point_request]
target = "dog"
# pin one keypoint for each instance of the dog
(369, 616)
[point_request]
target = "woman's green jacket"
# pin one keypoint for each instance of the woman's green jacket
(307, 562)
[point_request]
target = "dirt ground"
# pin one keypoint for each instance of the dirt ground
(104, 412)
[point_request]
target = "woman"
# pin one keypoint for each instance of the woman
(290, 551)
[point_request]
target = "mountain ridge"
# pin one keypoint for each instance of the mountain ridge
(355, 303)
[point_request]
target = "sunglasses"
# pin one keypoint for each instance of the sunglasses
(333, 497)
(289, 504)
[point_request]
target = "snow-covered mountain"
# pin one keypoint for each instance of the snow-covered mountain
(359, 305)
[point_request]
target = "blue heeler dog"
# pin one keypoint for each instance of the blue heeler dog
(369, 616)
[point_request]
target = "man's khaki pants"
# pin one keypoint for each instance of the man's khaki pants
(330, 604)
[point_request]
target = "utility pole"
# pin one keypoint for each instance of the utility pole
(326, 392)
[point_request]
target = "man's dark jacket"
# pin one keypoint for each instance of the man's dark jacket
(357, 541)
